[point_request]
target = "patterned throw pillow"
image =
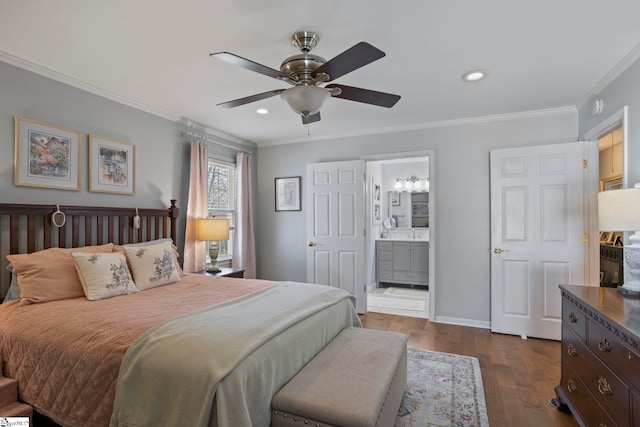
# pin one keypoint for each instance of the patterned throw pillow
(103, 275)
(152, 265)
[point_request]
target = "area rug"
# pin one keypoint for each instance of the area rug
(442, 390)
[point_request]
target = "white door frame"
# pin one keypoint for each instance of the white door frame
(614, 121)
(432, 213)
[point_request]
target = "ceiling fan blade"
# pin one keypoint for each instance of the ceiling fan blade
(310, 119)
(239, 61)
(249, 99)
(366, 96)
(351, 59)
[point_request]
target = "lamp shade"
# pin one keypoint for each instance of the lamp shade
(212, 229)
(619, 210)
(305, 100)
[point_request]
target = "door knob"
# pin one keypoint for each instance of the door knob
(311, 244)
(499, 250)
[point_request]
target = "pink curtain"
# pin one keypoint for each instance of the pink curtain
(197, 207)
(244, 247)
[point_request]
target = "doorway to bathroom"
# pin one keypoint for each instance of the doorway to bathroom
(400, 237)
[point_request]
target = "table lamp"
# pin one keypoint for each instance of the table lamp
(213, 230)
(619, 210)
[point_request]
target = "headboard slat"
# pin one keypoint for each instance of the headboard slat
(31, 229)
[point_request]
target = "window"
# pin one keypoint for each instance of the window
(222, 200)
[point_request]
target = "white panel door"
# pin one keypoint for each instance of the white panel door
(335, 227)
(537, 226)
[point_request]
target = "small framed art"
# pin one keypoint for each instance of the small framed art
(112, 166)
(46, 155)
(288, 193)
(395, 198)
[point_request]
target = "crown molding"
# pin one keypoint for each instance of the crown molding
(615, 72)
(79, 84)
(432, 125)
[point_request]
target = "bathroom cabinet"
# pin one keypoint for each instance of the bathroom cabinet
(402, 262)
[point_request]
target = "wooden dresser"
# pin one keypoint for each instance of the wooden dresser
(600, 356)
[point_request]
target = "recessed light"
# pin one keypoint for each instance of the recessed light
(262, 111)
(474, 76)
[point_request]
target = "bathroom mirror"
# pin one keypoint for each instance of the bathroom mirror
(409, 209)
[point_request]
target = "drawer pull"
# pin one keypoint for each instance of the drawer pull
(603, 387)
(571, 386)
(573, 318)
(572, 350)
(604, 346)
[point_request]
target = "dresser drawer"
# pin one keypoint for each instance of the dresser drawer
(385, 266)
(413, 276)
(385, 256)
(385, 246)
(614, 353)
(574, 317)
(385, 275)
(604, 385)
(589, 411)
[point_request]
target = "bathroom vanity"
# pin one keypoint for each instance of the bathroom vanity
(402, 260)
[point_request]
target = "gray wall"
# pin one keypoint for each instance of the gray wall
(461, 182)
(623, 91)
(162, 155)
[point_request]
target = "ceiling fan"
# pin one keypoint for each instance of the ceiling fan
(306, 73)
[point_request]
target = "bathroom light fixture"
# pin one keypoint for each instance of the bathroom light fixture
(474, 76)
(412, 183)
(262, 111)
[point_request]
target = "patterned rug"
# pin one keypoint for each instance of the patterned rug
(442, 390)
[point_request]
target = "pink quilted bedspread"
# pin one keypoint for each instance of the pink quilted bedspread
(66, 354)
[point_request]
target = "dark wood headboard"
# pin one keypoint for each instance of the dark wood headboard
(29, 228)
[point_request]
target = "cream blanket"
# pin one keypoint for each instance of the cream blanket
(221, 365)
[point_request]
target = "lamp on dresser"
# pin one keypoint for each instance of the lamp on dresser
(213, 230)
(619, 210)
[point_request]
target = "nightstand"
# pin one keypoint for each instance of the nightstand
(226, 272)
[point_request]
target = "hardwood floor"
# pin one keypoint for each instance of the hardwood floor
(518, 375)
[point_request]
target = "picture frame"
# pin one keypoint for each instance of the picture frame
(112, 166)
(612, 183)
(46, 155)
(288, 193)
(377, 213)
(395, 198)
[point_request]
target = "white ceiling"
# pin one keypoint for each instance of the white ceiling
(540, 55)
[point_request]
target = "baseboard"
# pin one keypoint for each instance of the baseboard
(462, 322)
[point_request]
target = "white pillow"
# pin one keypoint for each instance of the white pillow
(152, 265)
(103, 275)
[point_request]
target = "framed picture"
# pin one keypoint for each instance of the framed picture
(376, 214)
(395, 198)
(376, 192)
(46, 155)
(613, 183)
(112, 166)
(618, 238)
(288, 193)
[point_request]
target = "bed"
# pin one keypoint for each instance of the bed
(197, 351)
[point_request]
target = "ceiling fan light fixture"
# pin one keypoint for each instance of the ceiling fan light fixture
(474, 76)
(305, 100)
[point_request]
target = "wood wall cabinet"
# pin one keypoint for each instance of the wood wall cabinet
(600, 380)
(402, 262)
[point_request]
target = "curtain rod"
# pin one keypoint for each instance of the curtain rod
(204, 138)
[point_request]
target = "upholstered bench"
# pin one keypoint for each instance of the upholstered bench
(357, 380)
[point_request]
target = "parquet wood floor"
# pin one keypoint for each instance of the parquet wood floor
(518, 375)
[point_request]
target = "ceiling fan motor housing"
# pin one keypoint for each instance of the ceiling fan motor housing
(300, 67)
